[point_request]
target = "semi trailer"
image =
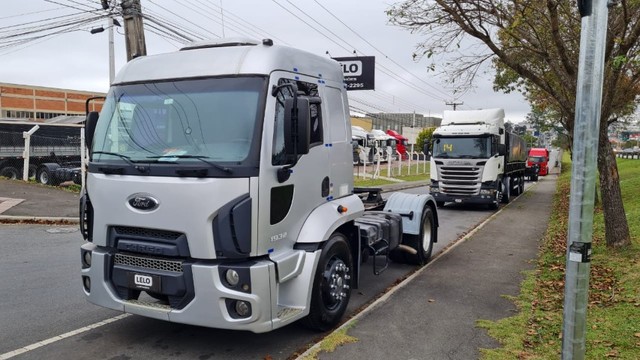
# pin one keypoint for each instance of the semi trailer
(54, 151)
(220, 192)
(475, 160)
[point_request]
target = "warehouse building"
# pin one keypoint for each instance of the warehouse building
(37, 103)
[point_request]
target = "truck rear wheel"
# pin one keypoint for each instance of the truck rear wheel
(10, 172)
(423, 242)
(46, 175)
(331, 285)
(521, 185)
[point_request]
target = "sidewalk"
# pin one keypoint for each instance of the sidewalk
(433, 316)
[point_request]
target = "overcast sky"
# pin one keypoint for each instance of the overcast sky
(79, 60)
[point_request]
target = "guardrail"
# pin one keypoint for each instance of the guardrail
(415, 164)
(628, 154)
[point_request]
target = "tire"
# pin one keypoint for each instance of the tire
(423, 242)
(498, 199)
(521, 186)
(334, 271)
(517, 190)
(439, 204)
(32, 171)
(11, 173)
(45, 176)
(506, 189)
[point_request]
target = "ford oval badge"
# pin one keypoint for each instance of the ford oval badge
(144, 202)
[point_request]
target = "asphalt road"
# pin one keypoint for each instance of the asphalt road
(41, 298)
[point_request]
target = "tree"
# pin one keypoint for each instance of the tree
(424, 137)
(533, 47)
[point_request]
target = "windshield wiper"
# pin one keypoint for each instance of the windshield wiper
(199, 157)
(142, 169)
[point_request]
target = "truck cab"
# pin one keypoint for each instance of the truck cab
(402, 144)
(539, 157)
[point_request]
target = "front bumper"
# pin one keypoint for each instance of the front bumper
(210, 303)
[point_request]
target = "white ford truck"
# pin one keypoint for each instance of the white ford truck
(220, 192)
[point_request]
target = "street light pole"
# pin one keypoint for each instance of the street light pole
(585, 150)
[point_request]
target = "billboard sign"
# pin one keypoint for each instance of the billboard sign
(359, 72)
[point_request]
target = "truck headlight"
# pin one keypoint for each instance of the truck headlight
(232, 277)
(486, 192)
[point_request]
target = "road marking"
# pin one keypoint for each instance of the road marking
(61, 337)
(8, 203)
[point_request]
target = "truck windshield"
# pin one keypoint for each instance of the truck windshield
(462, 147)
(180, 121)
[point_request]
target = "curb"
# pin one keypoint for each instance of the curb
(8, 219)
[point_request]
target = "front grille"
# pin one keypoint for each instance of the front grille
(147, 233)
(147, 263)
(460, 180)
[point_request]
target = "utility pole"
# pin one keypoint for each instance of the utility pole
(585, 150)
(454, 104)
(133, 30)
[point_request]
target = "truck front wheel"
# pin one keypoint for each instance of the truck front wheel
(506, 189)
(331, 285)
(423, 242)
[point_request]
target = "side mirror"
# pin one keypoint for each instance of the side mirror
(502, 149)
(425, 149)
(297, 130)
(90, 127)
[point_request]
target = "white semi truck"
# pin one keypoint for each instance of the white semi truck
(474, 160)
(220, 192)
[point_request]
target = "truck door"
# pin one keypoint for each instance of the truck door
(284, 206)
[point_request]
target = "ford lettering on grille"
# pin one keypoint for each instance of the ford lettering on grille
(143, 202)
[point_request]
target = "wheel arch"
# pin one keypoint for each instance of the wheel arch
(325, 219)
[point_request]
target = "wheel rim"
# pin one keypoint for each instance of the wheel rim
(44, 177)
(336, 280)
(426, 235)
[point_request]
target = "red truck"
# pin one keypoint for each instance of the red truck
(539, 156)
(402, 143)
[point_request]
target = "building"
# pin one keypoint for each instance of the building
(396, 121)
(37, 103)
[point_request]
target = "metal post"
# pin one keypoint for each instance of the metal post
(83, 160)
(585, 150)
(26, 154)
